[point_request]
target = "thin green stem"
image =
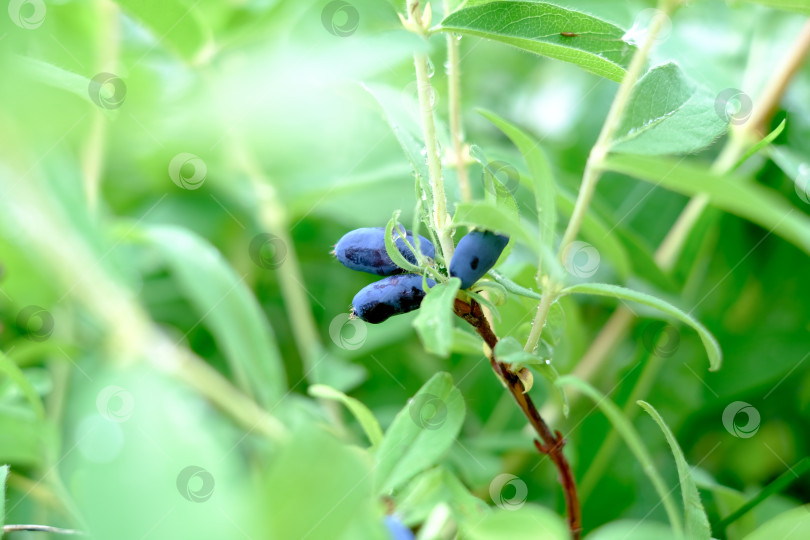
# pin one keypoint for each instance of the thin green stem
(592, 173)
(540, 317)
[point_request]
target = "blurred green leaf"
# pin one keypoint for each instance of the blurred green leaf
(362, 413)
(633, 530)
(57, 77)
(528, 522)
(633, 441)
(753, 202)
(799, 6)
(433, 487)
(541, 175)
(668, 114)
(420, 434)
(11, 370)
(227, 308)
(465, 342)
(537, 27)
(22, 437)
(434, 322)
(765, 141)
(3, 479)
(495, 191)
(695, 519)
(622, 293)
(175, 23)
(794, 523)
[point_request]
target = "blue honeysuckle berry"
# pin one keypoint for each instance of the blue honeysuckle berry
(389, 296)
(475, 254)
(397, 529)
(364, 250)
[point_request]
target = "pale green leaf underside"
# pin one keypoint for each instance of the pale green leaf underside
(753, 202)
(668, 114)
(794, 523)
(622, 293)
(537, 27)
(696, 520)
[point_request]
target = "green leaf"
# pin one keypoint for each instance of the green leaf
(466, 343)
(56, 77)
(766, 140)
(554, 328)
(175, 23)
(754, 202)
(22, 437)
(227, 308)
(634, 442)
(799, 6)
(537, 27)
(541, 175)
(668, 114)
(492, 218)
(392, 249)
(633, 530)
(434, 322)
(695, 519)
(495, 191)
(529, 522)
(362, 413)
(420, 434)
(796, 166)
(433, 487)
(11, 370)
(622, 293)
(794, 523)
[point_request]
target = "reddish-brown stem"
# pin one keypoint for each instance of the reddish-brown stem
(552, 442)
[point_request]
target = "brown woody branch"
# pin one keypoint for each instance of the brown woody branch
(550, 443)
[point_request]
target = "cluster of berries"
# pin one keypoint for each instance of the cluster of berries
(364, 250)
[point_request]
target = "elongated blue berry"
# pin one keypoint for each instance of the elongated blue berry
(397, 529)
(389, 296)
(364, 250)
(475, 254)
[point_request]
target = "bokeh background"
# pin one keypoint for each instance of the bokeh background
(174, 176)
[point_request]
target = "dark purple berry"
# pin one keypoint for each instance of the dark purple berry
(364, 250)
(475, 254)
(389, 296)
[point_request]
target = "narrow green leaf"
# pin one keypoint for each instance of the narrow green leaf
(513, 287)
(392, 249)
(799, 6)
(3, 479)
(541, 175)
(794, 523)
(434, 322)
(597, 46)
(766, 140)
(495, 191)
(175, 23)
(695, 518)
(668, 114)
(362, 414)
(420, 434)
(622, 293)
(227, 308)
(56, 77)
(490, 217)
(465, 342)
(753, 202)
(633, 441)
(11, 370)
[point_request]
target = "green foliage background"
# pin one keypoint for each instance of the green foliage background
(168, 342)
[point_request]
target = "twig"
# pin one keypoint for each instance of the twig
(456, 133)
(550, 443)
